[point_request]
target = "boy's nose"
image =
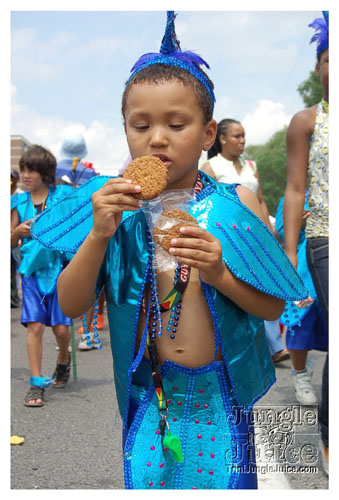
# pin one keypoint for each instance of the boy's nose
(158, 138)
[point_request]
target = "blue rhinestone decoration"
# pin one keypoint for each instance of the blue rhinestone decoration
(96, 339)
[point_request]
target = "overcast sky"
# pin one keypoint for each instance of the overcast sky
(68, 70)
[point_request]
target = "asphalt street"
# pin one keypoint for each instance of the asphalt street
(74, 440)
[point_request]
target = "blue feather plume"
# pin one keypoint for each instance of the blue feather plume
(321, 34)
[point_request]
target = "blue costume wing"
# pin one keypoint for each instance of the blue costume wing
(250, 250)
(65, 224)
(292, 314)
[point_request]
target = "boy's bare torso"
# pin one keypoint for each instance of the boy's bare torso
(193, 345)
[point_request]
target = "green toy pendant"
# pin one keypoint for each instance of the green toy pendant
(174, 445)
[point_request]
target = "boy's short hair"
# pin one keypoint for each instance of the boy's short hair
(159, 73)
(40, 160)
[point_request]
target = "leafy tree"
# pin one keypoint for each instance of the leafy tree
(271, 163)
(311, 90)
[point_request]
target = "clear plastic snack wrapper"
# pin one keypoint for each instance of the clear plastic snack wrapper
(176, 199)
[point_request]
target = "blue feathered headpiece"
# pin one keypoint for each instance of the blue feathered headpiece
(321, 34)
(171, 54)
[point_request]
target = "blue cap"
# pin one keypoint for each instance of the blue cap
(73, 145)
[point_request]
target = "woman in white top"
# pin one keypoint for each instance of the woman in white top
(225, 163)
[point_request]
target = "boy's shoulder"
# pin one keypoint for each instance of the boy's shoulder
(220, 187)
(19, 198)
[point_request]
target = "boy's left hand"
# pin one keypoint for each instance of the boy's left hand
(202, 251)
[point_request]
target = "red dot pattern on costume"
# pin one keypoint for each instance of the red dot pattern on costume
(152, 447)
(206, 406)
(148, 464)
(212, 455)
(209, 423)
(161, 465)
(200, 471)
(157, 431)
(212, 438)
(174, 419)
(179, 403)
(200, 453)
(196, 421)
(197, 405)
(211, 473)
(199, 436)
(150, 483)
(201, 391)
(162, 483)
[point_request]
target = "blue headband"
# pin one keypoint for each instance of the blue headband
(171, 54)
(321, 34)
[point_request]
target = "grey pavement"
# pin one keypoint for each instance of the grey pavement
(74, 440)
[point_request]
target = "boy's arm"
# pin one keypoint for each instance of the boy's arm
(18, 230)
(297, 141)
(77, 282)
(245, 296)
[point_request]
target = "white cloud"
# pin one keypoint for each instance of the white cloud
(266, 118)
(107, 147)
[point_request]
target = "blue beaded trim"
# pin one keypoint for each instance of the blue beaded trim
(130, 439)
(254, 253)
(232, 483)
(272, 260)
(133, 366)
(184, 431)
(241, 255)
(57, 223)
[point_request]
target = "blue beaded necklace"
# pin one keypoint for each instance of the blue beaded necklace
(95, 327)
(173, 301)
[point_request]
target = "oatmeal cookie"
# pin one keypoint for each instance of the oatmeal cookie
(171, 229)
(150, 173)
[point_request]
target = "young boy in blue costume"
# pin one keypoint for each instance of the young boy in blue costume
(39, 269)
(186, 379)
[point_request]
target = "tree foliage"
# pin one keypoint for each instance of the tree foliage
(311, 90)
(271, 163)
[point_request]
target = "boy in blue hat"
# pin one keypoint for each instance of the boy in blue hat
(187, 375)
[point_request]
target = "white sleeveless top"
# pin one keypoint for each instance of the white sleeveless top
(225, 171)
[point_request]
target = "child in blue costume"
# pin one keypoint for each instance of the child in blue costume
(39, 269)
(186, 378)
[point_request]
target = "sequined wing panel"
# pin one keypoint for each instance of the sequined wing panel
(65, 225)
(250, 250)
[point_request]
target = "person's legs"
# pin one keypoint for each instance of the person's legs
(298, 358)
(34, 347)
(63, 367)
(317, 260)
(63, 337)
(35, 331)
(274, 340)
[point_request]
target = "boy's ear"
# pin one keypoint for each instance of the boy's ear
(210, 134)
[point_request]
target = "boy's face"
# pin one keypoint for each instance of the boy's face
(31, 178)
(165, 120)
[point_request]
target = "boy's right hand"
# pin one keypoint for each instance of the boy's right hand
(24, 229)
(109, 202)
